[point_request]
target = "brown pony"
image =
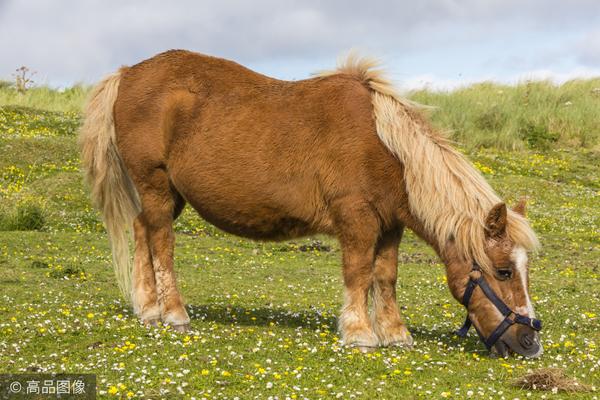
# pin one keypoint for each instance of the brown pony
(341, 154)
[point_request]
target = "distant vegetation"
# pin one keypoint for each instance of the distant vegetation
(44, 98)
(531, 115)
(535, 115)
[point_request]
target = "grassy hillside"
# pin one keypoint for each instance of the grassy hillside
(531, 115)
(263, 314)
(44, 98)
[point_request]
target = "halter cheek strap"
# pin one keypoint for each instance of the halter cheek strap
(510, 317)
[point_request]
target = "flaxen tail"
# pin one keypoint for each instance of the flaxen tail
(112, 190)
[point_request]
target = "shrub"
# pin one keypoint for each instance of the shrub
(29, 217)
(536, 135)
(26, 216)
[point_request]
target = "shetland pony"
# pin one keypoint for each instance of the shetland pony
(341, 154)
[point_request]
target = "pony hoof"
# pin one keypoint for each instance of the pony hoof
(181, 328)
(365, 349)
(151, 322)
(407, 342)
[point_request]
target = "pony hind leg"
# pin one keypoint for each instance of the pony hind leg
(358, 232)
(387, 323)
(145, 296)
(160, 206)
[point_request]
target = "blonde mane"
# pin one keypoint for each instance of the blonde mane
(446, 193)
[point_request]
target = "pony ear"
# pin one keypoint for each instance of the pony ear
(495, 223)
(521, 207)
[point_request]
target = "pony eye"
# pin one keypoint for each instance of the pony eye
(504, 274)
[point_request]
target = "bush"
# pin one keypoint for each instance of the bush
(536, 135)
(29, 217)
(26, 216)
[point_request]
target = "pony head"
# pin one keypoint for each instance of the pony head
(498, 301)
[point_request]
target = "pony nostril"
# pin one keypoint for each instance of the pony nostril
(526, 340)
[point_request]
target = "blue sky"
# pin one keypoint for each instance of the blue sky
(436, 43)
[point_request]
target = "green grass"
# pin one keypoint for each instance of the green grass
(45, 98)
(264, 314)
(531, 115)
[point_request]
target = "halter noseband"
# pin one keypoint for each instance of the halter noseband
(510, 317)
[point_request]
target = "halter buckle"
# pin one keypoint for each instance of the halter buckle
(535, 324)
(475, 274)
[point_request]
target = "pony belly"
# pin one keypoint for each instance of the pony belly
(255, 223)
(249, 210)
(233, 188)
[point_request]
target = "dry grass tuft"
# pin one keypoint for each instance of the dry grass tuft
(553, 379)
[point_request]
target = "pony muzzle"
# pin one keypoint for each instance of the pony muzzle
(520, 339)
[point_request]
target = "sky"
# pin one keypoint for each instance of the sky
(440, 44)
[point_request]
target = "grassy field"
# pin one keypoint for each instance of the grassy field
(264, 314)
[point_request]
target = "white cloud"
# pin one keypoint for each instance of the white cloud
(71, 40)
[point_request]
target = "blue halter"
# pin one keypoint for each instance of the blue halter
(510, 317)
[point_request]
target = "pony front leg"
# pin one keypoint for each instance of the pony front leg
(144, 296)
(358, 239)
(387, 323)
